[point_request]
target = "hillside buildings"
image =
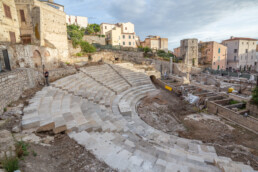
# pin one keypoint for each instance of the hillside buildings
(156, 43)
(241, 53)
(214, 54)
(77, 20)
(120, 34)
(189, 51)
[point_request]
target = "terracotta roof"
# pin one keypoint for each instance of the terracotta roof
(240, 38)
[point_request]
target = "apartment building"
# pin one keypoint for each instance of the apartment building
(120, 34)
(214, 54)
(189, 51)
(156, 43)
(241, 53)
(77, 20)
(9, 25)
(256, 61)
(177, 52)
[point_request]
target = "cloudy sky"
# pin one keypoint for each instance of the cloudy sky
(174, 19)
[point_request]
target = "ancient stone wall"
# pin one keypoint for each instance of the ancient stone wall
(73, 51)
(247, 122)
(95, 39)
(14, 83)
(32, 56)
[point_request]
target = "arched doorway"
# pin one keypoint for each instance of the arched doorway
(37, 60)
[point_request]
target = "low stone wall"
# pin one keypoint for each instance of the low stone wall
(60, 73)
(14, 83)
(253, 109)
(249, 122)
(94, 39)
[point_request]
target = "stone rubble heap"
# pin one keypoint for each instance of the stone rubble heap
(97, 108)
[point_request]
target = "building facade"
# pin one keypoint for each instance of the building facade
(120, 34)
(214, 54)
(241, 53)
(177, 52)
(42, 25)
(189, 51)
(9, 25)
(77, 20)
(156, 43)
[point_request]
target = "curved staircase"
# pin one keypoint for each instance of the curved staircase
(97, 108)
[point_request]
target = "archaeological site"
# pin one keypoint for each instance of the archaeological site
(80, 97)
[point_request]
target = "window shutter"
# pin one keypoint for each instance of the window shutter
(22, 16)
(7, 11)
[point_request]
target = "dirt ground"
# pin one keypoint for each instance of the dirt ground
(63, 154)
(170, 113)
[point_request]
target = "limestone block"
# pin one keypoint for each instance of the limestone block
(125, 108)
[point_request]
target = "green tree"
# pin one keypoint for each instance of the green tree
(87, 47)
(93, 29)
(76, 34)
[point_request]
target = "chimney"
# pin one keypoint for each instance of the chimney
(232, 37)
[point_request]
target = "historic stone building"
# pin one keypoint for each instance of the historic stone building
(156, 43)
(213, 54)
(241, 53)
(177, 52)
(77, 20)
(32, 22)
(42, 25)
(189, 51)
(9, 25)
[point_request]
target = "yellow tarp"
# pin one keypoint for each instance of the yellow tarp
(168, 88)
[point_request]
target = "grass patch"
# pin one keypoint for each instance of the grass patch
(34, 153)
(5, 109)
(21, 149)
(10, 164)
(232, 102)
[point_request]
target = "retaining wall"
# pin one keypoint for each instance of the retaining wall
(14, 83)
(249, 122)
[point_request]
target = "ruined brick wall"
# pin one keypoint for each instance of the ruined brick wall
(32, 56)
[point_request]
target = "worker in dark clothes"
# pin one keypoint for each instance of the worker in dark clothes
(46, 77)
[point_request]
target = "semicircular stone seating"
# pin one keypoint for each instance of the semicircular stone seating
(97, 108)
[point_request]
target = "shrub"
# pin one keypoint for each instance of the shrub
(34, 153)
(146, 50)
(87, 48)
(255, 96)
(21, 149)
(79, 54)
(232, 102)
(5, 109)
(10, 164)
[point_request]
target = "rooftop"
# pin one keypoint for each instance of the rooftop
(240, 38)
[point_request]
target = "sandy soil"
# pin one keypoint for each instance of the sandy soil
(168, 112)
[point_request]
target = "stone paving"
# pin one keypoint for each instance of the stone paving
(97, 108)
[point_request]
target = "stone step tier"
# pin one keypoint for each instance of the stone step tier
(104, 120)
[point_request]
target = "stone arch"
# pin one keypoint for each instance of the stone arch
(37, 59)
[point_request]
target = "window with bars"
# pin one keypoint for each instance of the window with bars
(7, 11)
(22, 16)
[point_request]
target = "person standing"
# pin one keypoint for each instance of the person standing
(46, 77)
